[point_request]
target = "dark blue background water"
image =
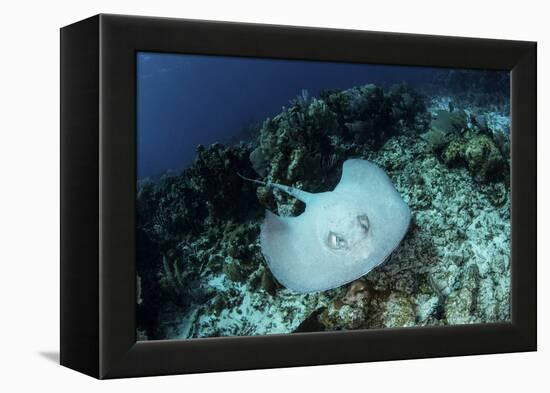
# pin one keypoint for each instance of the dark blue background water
(186, 100)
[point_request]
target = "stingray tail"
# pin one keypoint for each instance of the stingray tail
(263, 183)
(296, 193)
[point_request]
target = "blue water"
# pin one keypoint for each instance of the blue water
(186, 100)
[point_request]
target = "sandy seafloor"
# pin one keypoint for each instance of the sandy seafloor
(451, 268)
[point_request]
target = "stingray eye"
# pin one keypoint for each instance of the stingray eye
(336, 242)
(363, 221)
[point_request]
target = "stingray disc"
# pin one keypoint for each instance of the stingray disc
(341, 236)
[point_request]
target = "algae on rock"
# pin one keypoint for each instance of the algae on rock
(479, 154)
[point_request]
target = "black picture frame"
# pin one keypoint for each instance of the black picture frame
(98, 188)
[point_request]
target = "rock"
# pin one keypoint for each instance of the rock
(268, 283)
(479, 154)
(311, 323)
(398, 311)
(454, 153)
(339, 316)
(461, 305)
(266, 198)
(232, 270)
(348, 310)
(497, 194)
(219, 304)
(358, 292)
(484, 159)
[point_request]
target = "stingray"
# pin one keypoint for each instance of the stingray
(342, 234)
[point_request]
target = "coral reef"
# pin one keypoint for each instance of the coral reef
(200, 269)
(305, 145)
(480, 155)
(462, 139)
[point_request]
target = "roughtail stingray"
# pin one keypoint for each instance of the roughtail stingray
(341, 236)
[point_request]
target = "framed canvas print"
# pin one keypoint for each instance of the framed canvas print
(238, 196)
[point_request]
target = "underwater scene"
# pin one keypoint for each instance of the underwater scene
(284, 196)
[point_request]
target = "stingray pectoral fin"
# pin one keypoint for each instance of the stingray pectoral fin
(294, 255)
(278, 243)
(364, 177)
